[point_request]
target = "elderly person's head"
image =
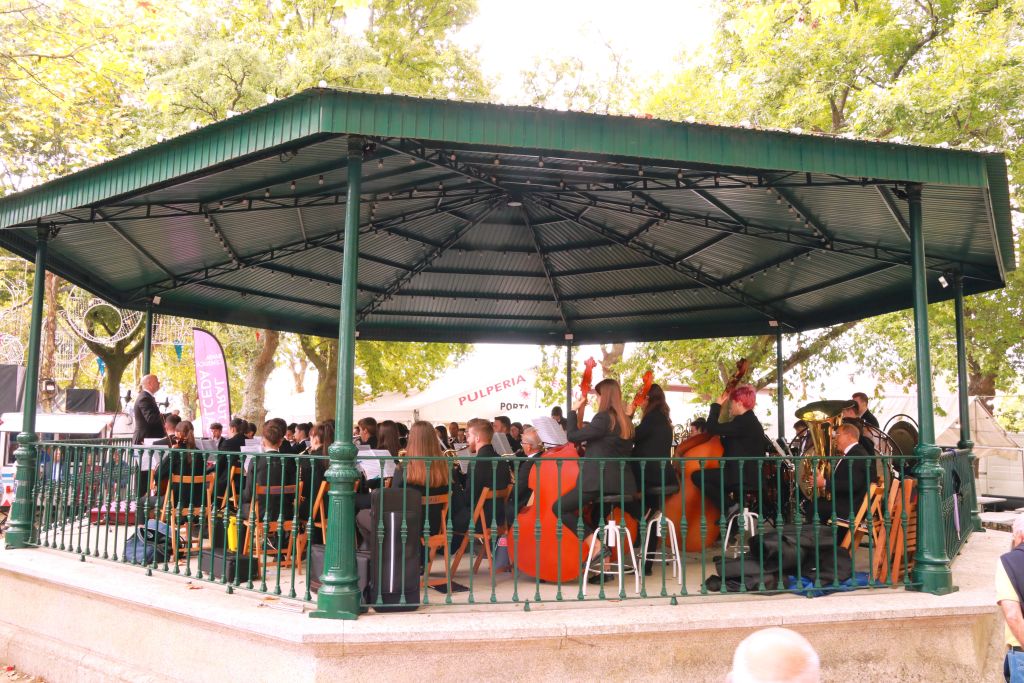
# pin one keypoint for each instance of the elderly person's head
(532, 442)
(1018, 531)
(150, 383)
(775, 655)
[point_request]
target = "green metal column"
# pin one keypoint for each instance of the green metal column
(781, 386)
(147, 348)
(568, 375)
(962, 393)
(931, 569)
(339, 597)
(22, 512)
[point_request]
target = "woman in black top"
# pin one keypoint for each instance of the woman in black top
(742, 438)
(179, 461)
(608, 436)
(653, 439)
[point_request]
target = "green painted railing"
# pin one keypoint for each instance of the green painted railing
(96, 501)
(959, 497)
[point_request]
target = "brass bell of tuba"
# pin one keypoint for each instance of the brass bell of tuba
(823, 419)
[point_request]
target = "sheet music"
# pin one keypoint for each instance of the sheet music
(206, 444)
(371, 462)
(250, 451)
(254, 442)
(149, 458)
(501, 444)
(550, 432)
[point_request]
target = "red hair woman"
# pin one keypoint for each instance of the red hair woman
(742, 439)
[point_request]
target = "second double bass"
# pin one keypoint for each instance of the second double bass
(702, 515)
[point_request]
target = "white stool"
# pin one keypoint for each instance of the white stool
(654, 526)
(749, 525)
(612, 538)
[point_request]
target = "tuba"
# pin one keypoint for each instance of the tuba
(822, 418)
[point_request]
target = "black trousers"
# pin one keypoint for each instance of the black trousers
(569, 511)
(715, 492)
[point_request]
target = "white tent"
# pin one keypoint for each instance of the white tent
(462, 394)
(1000, 465)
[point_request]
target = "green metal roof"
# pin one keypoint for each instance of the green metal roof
(484, 222)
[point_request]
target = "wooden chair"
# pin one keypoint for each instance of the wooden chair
(888, 544)
(438, 539)
(484, 536)
(276, 529)
(183, 517)
(231, 491)
(320, 509)
(856, 531)
(901, 539)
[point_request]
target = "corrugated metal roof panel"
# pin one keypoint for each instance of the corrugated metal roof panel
(594, 206)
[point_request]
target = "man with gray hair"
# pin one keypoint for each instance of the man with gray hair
(775, 655)
(532, 445)
(1009, 585)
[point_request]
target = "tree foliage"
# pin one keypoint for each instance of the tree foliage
(945, 73)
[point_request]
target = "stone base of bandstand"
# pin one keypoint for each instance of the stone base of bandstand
(68, 620)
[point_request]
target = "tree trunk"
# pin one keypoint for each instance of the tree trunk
(255, 389)
(298, 368)
(47, 358)
(982, 386)
(610, 355)
(117, 358)
(327, 387)
(323, 354)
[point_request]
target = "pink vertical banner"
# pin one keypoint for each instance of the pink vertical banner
(211, 380)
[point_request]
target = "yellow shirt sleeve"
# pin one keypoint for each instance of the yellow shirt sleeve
(1004, 588)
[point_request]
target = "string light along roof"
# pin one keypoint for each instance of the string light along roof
(491, 223)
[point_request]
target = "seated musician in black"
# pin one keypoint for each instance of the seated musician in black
(849, 479)
(523, 464)
(487, 470)
(742, 437)
(850, 416)
(608, 436)
(269, 469)
(426, 470)
(180, 462)
(653, 439)
(657, 478)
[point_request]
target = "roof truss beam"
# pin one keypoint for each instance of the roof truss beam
(552, 285)
(655, 255)
(425, 262)
(846, 247)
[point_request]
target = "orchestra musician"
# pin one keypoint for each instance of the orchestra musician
(608, 435)
(743, 437)
(862, 409)
(849, 477)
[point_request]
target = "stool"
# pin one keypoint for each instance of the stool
(749, 524)
(613, 537)
(654, 526)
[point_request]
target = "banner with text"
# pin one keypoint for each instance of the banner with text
(211, 380)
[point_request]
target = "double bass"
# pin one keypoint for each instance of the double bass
(691, 451)
(538, 551)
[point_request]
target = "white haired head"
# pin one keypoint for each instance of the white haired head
(1018, 526)
(775, 655)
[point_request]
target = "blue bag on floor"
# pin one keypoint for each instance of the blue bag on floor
(149, 544)
(804, 586)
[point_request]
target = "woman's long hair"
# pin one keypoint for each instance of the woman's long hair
(186, 437)
(423, 443)
(611, 402)
(442, 434)
(324, 432)
(387, 437)
(656, 402)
